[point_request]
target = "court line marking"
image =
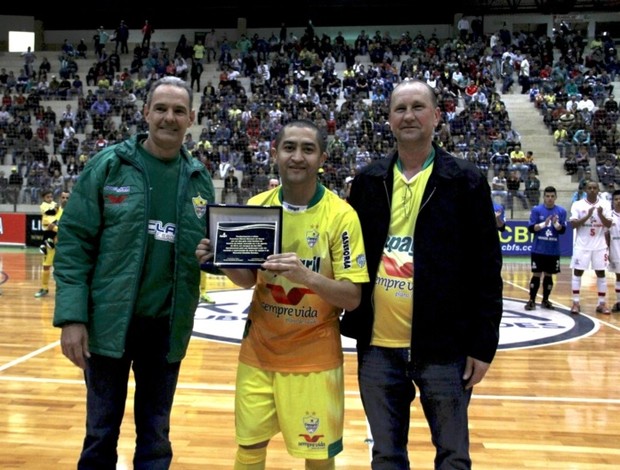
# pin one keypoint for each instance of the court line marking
(350, 393)
(598, 319)
(225, 388)
(34, 353)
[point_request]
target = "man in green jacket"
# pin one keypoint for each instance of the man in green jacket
(127, 279)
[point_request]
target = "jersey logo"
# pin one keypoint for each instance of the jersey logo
(346, 250)
(393, 269)
(312, 236)
(161, 231)
(200, 206)
(293, 297)
(117, 189)
(116, 198)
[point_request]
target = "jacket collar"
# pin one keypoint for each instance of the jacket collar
(445, 165)
(127, 150)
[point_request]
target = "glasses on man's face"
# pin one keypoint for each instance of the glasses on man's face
(407, 197)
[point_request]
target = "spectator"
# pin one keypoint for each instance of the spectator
(57, 183)
(16, 182)
(53, 165)
(72, 172)
(231, 186)
(121, 37)
(463, 27)
(518, 162)
(147, 32)
(44, 67)
(606, 172)
(500, 161)
(211, 46)
(529, 161)
(36, 181)
(82, 49)
(513, 185)
(4, 187)
(195, 73)
(29, 59)
(260, 182)
(499, 186)
(532, 188)
(99, 111)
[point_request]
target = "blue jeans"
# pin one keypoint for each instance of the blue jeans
(106, 383)
(386, 379)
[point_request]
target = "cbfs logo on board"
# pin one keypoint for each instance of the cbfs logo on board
(225, 320)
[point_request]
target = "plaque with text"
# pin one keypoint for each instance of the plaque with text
(243, 236)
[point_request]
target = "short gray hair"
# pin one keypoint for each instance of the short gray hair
(174, 81)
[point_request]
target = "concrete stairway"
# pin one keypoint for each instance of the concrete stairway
(535, 136)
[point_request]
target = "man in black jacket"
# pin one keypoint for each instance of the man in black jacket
(16, 182)
(430, 315)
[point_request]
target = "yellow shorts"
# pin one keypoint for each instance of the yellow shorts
(308, 408)
(48, 259)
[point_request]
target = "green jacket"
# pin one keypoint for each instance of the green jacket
(102, 245)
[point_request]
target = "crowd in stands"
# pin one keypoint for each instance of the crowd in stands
(264, 82)
(579, 108)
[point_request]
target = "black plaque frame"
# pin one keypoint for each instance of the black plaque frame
(243, 236)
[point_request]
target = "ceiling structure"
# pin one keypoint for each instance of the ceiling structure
(270, 13)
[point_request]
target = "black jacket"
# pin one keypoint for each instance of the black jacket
(457, 260)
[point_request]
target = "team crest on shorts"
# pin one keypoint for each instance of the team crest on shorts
(311, 423)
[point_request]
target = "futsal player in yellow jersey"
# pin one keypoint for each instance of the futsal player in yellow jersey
(290, 377)
(50, 252)
(49, 210)
(204, 294)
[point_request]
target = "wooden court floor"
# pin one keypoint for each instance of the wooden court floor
(550, 401)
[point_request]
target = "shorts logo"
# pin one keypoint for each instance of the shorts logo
(311, 423)
(311, 439)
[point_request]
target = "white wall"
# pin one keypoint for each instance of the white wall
(14, 23)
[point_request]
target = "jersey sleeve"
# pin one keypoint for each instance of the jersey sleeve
(348, 252)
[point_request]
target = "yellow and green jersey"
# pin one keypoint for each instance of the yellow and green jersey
(290, 328)
(393, 291)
